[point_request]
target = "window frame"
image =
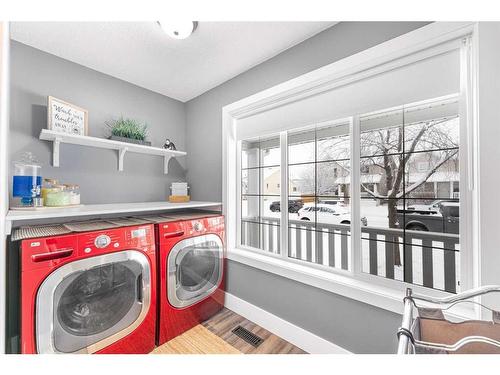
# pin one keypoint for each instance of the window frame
(431, 40)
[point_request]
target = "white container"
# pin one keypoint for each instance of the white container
(179, 188)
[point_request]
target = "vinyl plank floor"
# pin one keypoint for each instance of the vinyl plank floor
(215, 336)
(226, 320)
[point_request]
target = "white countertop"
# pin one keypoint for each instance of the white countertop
(103, 209)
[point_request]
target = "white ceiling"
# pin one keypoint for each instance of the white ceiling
(140, 53)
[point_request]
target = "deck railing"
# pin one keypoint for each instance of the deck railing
(425, 258)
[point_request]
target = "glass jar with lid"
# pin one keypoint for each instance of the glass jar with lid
(48, 185)
(74, 193)
(26, 181)
(57, 196)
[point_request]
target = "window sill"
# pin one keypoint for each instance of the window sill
(390, 299)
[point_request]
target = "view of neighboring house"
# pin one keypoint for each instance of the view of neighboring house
(334, 179)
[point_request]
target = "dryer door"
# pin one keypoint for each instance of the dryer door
(86, 305)
(195, 267)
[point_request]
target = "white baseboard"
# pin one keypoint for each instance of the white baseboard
(299, 337)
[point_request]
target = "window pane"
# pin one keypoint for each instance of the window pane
(433, 126)
(382, 219)
(249, 154)
(250, 208)
(301, 147)
(250, 234)
(382, 177)
(250, 181)
(306, 215)
(319, 211)
(382, 133)
(333, 178)
(432, 174)
(260, 208)
(270, 207)
(271, 179)
(270, 152)
(382, 258)
(333, 143)
(270, 235)
(410, 189)
(301, 180)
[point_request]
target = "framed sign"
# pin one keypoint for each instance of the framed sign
(67, 118)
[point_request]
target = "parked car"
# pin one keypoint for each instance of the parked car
(433, 206)
(294, 205)
(332, 202)
(328, 214)
(446, 220)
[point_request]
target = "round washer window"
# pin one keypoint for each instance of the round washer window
(97, 299)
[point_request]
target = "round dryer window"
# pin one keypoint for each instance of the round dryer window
(194, 269)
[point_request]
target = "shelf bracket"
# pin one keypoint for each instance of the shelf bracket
(166, 159)
(55, 151)
(121, 155)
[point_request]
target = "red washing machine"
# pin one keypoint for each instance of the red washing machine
(93, 292)
(191, 267)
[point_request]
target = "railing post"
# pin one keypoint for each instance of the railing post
(427, 263)
(389, 259)
(331, 248)
(373, 254)
(309, 245)
(344, 254)
(407, 258)
(450, 279)
(298, 242)
(319, 246)
(271, 238)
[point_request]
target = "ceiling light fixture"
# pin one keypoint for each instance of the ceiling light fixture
(178, 29)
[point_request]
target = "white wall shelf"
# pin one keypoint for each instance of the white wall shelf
(19, 216)
(121, 147)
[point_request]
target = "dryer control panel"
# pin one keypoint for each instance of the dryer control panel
(174, 231)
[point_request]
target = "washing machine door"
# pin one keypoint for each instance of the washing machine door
(86, 305)
(195, 267)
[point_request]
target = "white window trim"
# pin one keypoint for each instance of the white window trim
(377, 291)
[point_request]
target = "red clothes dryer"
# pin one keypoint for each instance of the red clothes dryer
(191, 268)
(93, 292)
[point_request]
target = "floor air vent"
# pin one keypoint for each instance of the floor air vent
(248, 336)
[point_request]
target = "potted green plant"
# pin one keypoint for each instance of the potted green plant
(128, 130)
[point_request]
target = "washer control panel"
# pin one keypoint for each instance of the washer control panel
(126, 238)
(102, 241)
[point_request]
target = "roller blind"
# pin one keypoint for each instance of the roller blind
(433, 77)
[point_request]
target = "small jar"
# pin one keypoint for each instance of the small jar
(57, 197)
(74, 194)
(48, 185)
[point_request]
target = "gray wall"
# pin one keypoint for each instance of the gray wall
(356, 326)
(36, 74)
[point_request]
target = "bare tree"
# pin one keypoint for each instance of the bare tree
(387, 154)
(390, 151)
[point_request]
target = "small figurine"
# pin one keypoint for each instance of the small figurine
(169, 145)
